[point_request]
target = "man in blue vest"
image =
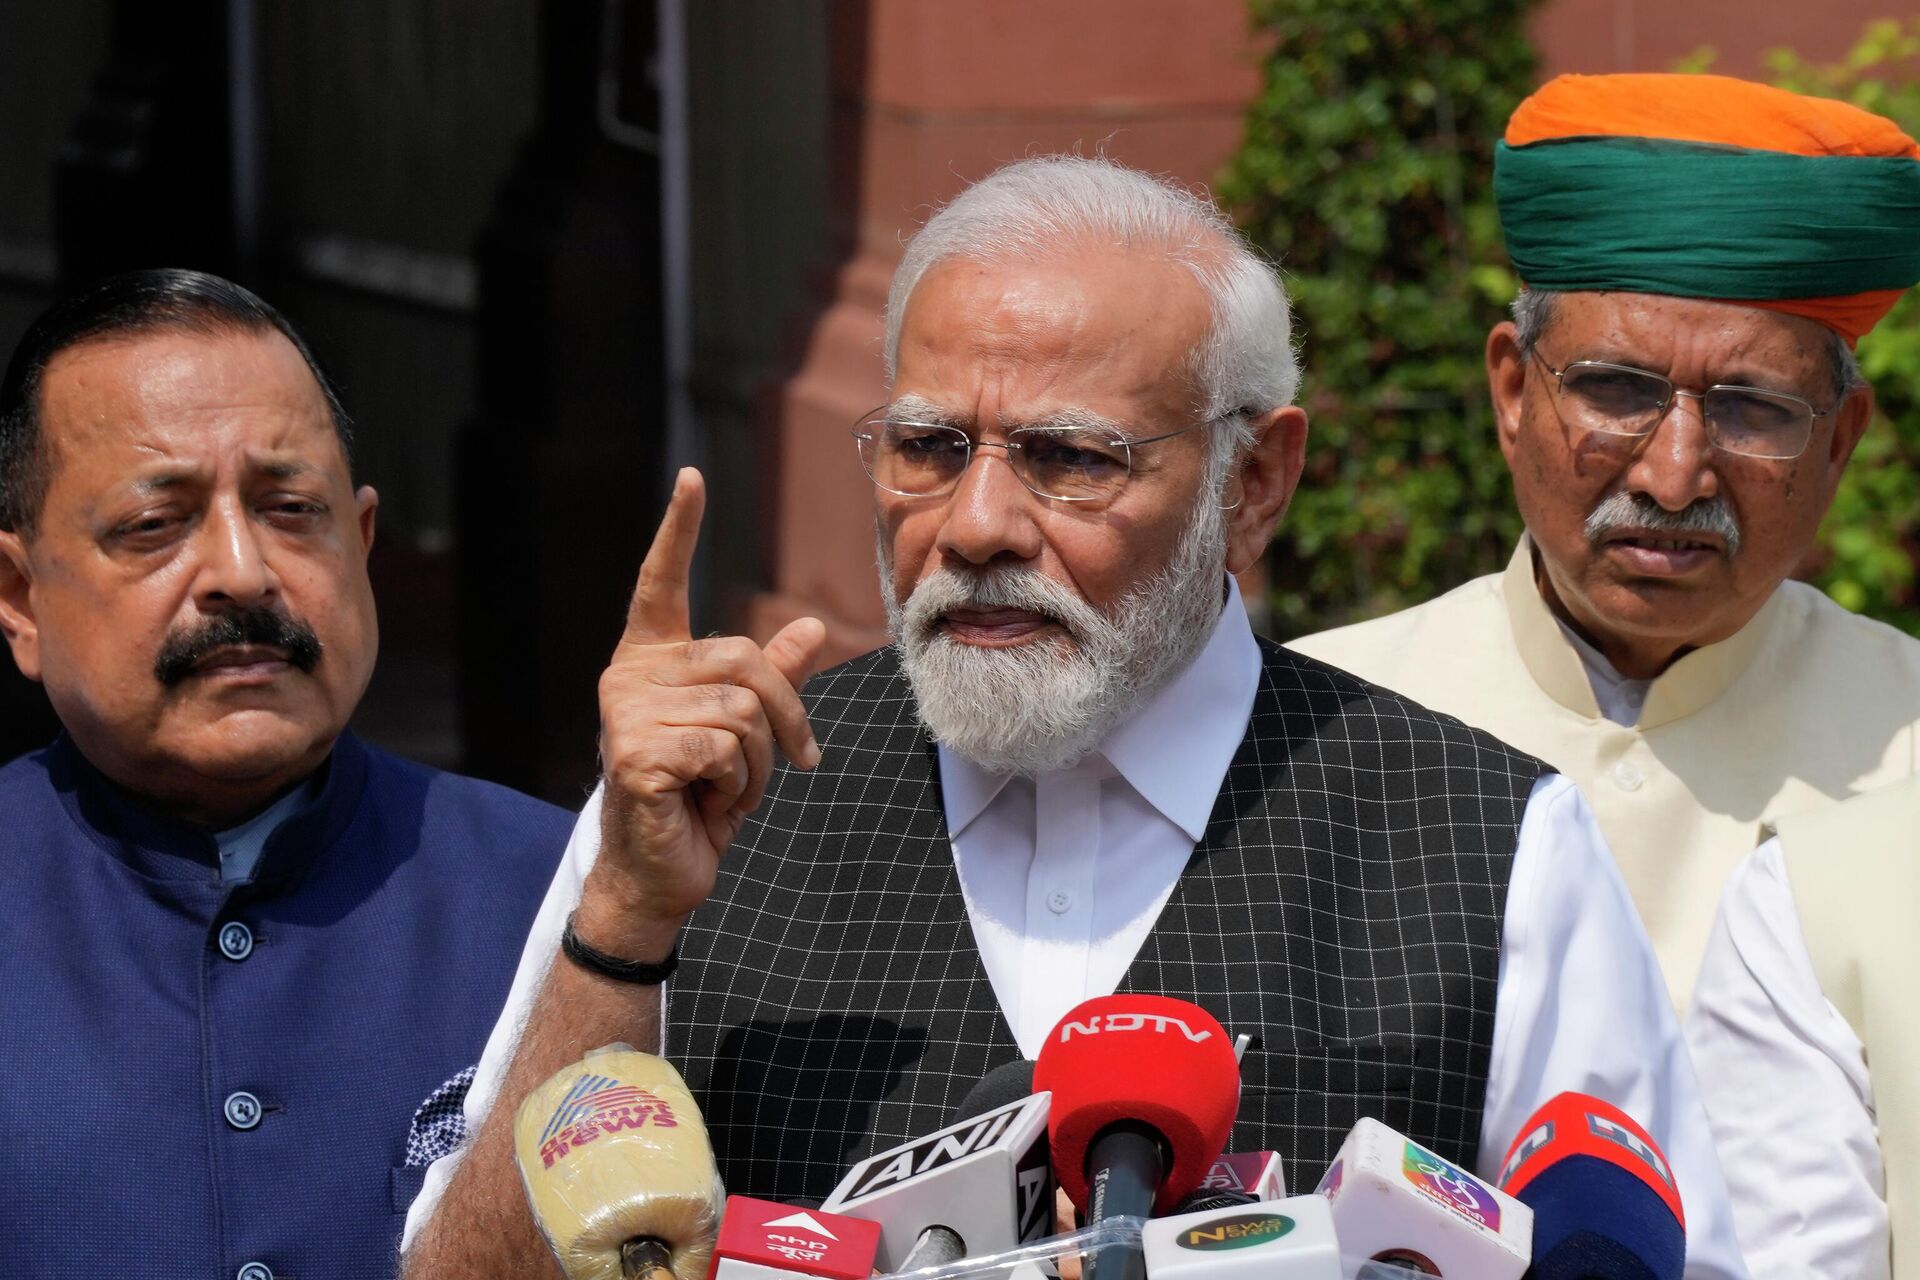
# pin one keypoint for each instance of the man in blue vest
(248, 958)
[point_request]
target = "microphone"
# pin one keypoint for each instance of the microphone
(1605, 1204)
(981, 1185)
(618, 1170)
(1244, 1178)
(1267, 1240)
(1144, 1093)
(1257, 1173)
(1395, 1202)
(760, 1240)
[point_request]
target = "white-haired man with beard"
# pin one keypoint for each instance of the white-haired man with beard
(1076, 771)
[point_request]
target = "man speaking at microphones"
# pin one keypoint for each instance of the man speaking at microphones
(1075, 772)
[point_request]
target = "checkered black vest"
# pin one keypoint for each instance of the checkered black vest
(1344, 908)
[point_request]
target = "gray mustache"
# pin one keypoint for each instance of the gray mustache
(1632, 510)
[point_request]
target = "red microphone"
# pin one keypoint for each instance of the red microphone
(1604, 1200)
(1144, 1093)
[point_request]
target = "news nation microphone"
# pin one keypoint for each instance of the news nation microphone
(1268, 1240)
(618, 1170)
(981, 1185)
(1144, 1093)
(1396, 1202)
(1605, 1205)
(760, 1240)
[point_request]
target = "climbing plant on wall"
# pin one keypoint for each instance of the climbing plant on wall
(1367, 172)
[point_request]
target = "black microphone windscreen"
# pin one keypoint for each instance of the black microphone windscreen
(1205, 1199)
(1008, 1082)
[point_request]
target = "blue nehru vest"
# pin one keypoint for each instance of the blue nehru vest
(217, 1081)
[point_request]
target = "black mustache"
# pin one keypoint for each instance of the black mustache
(184, 650)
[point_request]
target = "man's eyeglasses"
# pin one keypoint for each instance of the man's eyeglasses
(918, 459)
(1620, 400)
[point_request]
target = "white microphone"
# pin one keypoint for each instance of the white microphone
(1290, 1239)
(761, 1240)
(1396, 1202)
(988, 1181)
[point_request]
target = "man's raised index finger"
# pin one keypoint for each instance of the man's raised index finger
(659, 610)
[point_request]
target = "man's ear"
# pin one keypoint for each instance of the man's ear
(1850, 421)
(1507, 383)
(16, 605)
(366, 505)
(1263, 484)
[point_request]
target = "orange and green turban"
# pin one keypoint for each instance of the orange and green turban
(1711, 187)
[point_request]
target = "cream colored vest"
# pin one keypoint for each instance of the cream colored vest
(1855, 872)
(1804, 706)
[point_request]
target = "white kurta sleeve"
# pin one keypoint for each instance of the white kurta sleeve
(543, 941)
(1581, 1006)
(1787, 1091)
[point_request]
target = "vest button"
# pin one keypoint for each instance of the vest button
(1627, 777)
(242, 1110)
(236, 940)
(254, 1271)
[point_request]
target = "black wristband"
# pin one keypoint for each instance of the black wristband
(640, 972)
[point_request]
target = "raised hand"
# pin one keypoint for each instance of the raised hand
(688, 730)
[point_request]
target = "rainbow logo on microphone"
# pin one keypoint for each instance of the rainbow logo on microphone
(1455, 1188)
(597, 1105)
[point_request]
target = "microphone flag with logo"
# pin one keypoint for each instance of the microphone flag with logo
(1149, 1063)
(617, 1167)
(1605, 1202)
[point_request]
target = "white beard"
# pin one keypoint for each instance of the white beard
(1036, 707)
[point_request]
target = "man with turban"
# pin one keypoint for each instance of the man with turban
(1676, 398)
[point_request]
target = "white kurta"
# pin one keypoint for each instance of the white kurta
(1787, 1090)
(1807, 704)
(1065, 877)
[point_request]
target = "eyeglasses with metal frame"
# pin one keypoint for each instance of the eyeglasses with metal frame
(915, 458)
(1621, 400)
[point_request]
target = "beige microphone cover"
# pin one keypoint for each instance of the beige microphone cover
(611, 1148)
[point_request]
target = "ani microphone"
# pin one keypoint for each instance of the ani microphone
(1145, 1089)
(981, 1185)
(1605, 1204)
(618, 1170)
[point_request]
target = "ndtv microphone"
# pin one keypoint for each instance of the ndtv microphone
(617, 1168)
(979, 1186)
(1396, 1202)
(1144, 1093)
(760, 1240)
(1605, 1205)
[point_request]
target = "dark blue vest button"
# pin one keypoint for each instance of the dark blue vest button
(236, 940)
(242, 1110)
(254, 1271)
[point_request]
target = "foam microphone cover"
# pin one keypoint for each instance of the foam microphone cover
(611, 1149)
(1008, 1082)
(1605, 1204)
(1151, 1060)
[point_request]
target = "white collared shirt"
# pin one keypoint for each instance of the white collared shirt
(1580, 1003)
(1125, 819)
(1810, 1195)
(1620, 700)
